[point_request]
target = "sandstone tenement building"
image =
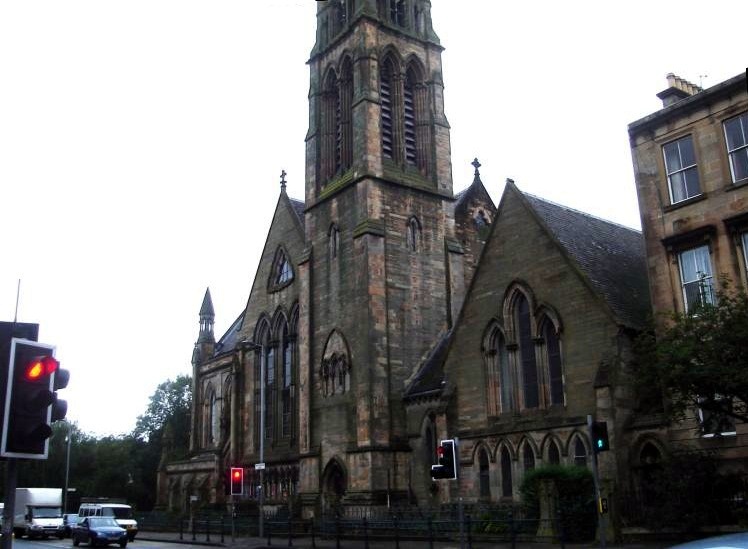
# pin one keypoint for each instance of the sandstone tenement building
(390, 312)
(691, 169)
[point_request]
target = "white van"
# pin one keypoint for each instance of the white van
(121, 512)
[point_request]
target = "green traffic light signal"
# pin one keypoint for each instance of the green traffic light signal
(600, 436)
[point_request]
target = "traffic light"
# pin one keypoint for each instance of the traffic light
(600, 440)
(237, 481)
(31, 402)
(447, 468)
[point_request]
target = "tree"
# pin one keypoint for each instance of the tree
(699, 359)
(170, 403)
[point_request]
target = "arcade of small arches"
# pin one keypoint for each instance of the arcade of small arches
(510, 462)
(280, 483)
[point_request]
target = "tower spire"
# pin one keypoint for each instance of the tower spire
(207, 317)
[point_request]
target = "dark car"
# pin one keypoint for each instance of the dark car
(99, 531)
(68, 521)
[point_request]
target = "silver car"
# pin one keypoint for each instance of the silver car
(728, 541)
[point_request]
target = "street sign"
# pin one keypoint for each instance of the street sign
(259, 466)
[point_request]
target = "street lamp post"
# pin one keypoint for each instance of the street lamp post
(261, 348)
(68, 440)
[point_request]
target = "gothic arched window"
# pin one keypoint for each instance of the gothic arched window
(483, 472)
(413, 234)
(334, 241)
(528, 457)
(287, 385)
(526, 346)
(340, 16)
(580, 452)
(506, 473)
(397, 12)
(282, 272)
(554, 372)
(215, 419)
(554, 456)
(429, 443)
(499, 389)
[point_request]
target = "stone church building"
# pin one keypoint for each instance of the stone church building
(389, 312)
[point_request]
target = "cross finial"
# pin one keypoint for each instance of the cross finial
(476, 165)
(283, 180)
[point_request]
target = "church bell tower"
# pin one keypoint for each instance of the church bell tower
(384, 268)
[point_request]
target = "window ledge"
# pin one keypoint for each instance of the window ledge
(737, 185)
(686, 202)
(720, 435)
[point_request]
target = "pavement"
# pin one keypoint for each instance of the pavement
(323, 543)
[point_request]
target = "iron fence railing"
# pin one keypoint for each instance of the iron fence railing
(416, 524)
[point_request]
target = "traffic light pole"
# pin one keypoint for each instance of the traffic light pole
(596, 478)
(262, 438)
(11, 482)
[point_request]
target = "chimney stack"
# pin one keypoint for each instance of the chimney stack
(678, 88)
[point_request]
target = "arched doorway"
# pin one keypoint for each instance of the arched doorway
(333, 487)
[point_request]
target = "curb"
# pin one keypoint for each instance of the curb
(183, 541)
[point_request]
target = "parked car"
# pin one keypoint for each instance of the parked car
(68, 521)
(99, 531)
(728, 541)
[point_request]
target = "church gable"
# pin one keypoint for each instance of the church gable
(532, 334)
(276, 279)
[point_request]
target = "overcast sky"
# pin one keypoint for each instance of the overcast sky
(141, 143)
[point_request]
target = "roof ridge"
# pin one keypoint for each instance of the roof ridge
(586, 214)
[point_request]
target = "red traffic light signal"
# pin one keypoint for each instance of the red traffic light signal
(447, 467)
(237, 481)
(31, 402)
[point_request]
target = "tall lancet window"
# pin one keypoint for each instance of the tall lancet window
(345, 129)
(387, 91)
(523, 330)
(397, 12)
(330, 124)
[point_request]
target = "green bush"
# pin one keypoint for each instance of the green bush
(576, 498)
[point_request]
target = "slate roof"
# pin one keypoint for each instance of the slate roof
(230, 339)
(431, 374)
(298, 207)
(611, 256)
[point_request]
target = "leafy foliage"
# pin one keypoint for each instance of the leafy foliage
(169, 404)
(576, 498)
(687, 491)
(700, 359)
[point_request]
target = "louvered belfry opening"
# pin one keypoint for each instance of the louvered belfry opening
(416, 121)
(330, 141)
(346, 115)
(409, 120)
(386, 81)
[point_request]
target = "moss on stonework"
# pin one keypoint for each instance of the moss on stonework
(337, 183)
(408, 177)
